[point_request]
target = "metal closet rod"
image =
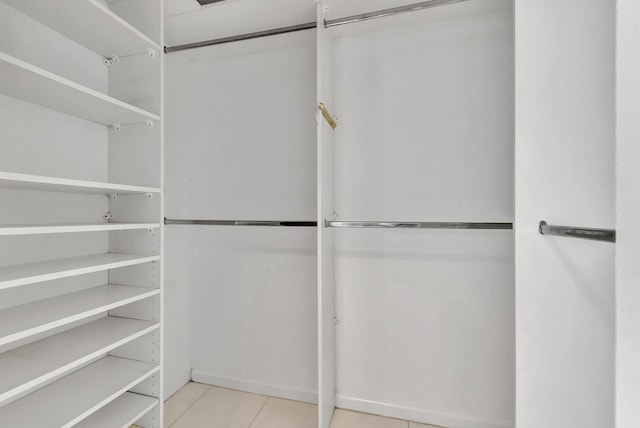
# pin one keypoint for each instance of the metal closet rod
(345, 224)
(273, 223)
(605, 235)
(418, 225)
(309, 25)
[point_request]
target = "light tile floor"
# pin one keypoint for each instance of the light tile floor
(202, 406)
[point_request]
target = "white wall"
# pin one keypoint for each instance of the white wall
(628, 213)
(425, 108)
(241, 145)
(564, 175)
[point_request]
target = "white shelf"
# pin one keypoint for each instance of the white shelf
(41, 229)
(11, 180)
(73, 398)
(31, 273)
(121, 412)
(35, 364)
(89, 23)
(23, 321)
(34, 85)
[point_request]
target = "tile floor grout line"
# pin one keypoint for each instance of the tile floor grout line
(259, 411)
(190, 406)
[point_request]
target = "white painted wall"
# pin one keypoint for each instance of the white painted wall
(425, 106)
(241, 145)
(565, 175)
(628, 213)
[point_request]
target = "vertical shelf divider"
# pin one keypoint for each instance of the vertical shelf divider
(325, 242)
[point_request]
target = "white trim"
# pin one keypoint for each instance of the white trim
(281, 391)
(427, 416)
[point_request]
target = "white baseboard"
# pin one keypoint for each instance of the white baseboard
(419, 415)
(280, 391)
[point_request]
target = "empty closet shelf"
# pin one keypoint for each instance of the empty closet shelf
(35, 364)
(10, 180)
(26, 320)
(34, 85)
(121, 412)
(42, 229)
(31, 273)
(90, 23)
(73, 398)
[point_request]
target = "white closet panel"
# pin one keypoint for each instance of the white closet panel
(426, 317)
(326, 237)
(565, 174)
(627, 389)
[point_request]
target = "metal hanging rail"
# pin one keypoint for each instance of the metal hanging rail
(241, 37)
(417, 225)
(271, 223)
(309, 25)
(605, 235)
(389, 12)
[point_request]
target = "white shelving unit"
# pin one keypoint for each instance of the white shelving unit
(31, 273)
(22, 321)
(73, 398)
(11, 180)
(90, 23)
(37, 86)
(121, 412)
(81, 260)
(43, 229)
(41, 361)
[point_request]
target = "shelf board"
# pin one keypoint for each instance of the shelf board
(121, 412)
(10, 180)
(34, 85)
(73, 398)
(41, 229)
(26, 320)
(35, 364)
(89, 23)
(31, 273)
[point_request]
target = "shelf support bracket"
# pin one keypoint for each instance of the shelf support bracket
(115, 59)
(118, 126)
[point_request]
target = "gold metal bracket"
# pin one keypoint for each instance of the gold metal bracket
(328, 117)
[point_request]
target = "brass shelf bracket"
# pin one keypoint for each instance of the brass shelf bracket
(328, 117)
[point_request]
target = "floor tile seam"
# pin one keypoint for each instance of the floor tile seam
(190, 406)
(259, 411)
